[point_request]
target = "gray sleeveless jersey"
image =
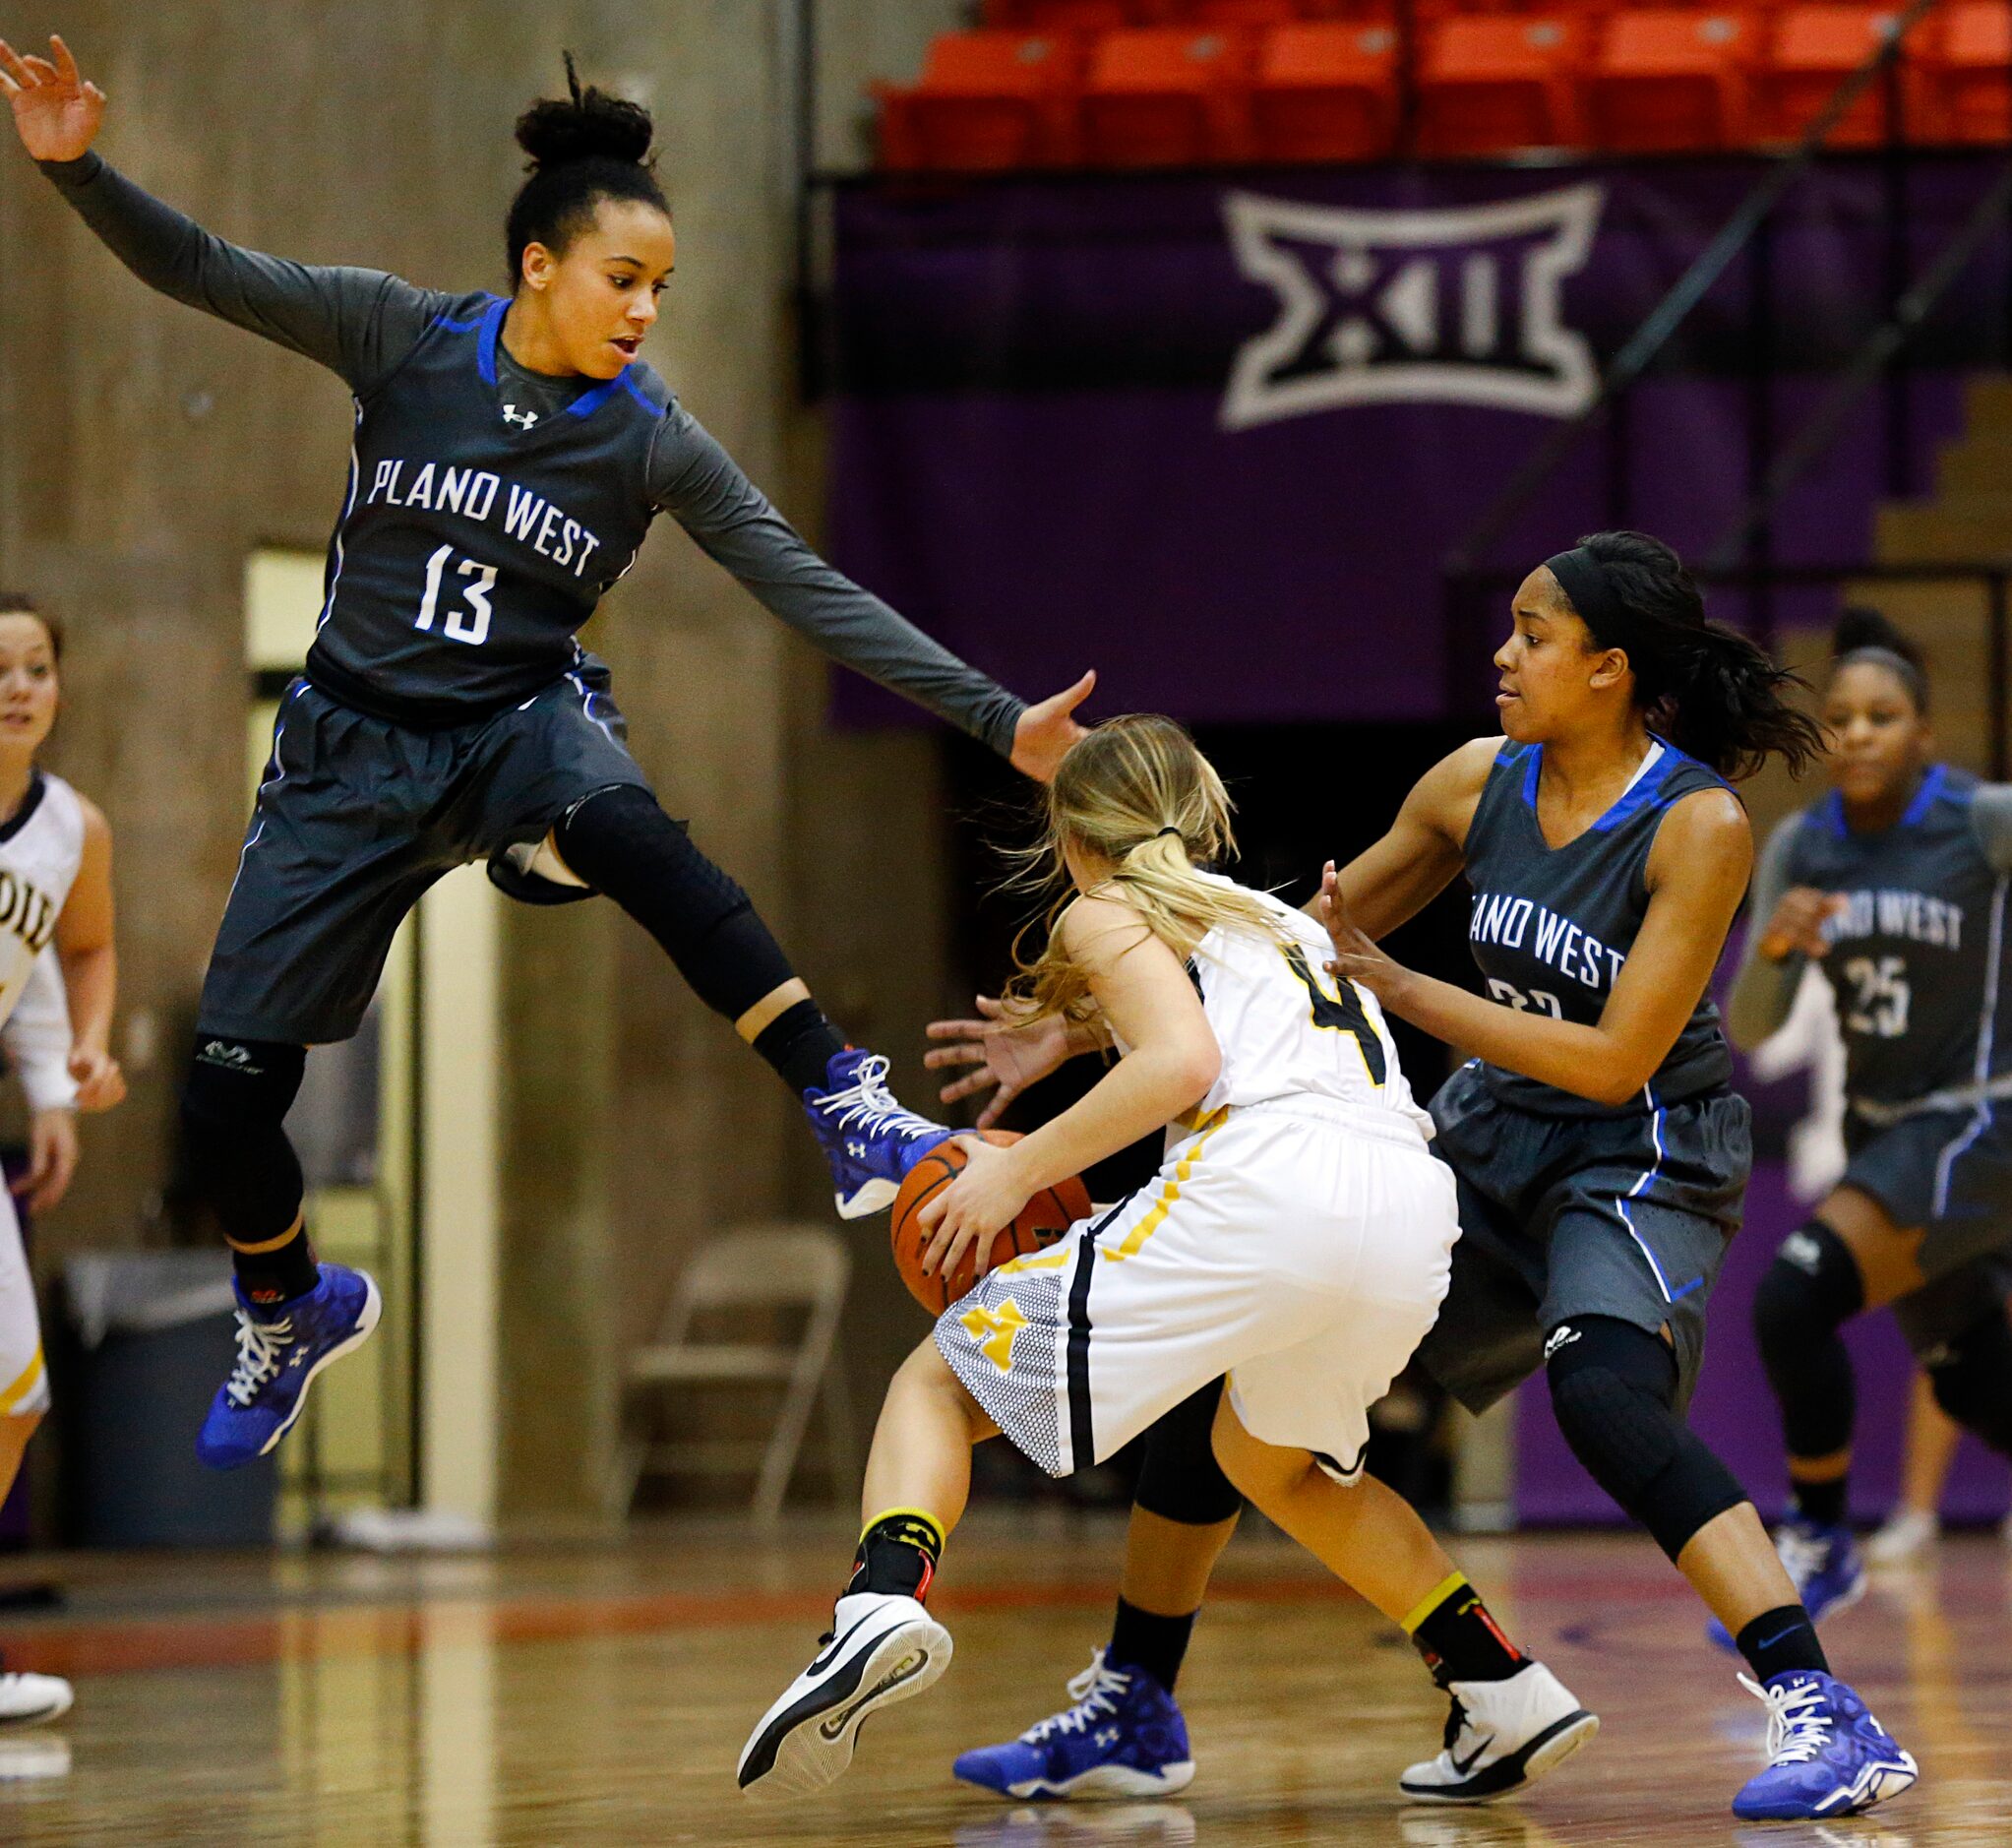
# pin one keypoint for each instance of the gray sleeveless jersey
(1551, 927)
(1916, 955)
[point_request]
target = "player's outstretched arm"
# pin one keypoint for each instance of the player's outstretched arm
(1696, 875)
(694, 479)
(1389, 883)
(358, 323)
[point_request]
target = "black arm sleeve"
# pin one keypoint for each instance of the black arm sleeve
(694, 479)
(358, 323)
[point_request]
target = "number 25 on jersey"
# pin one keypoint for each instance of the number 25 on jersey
(468, 616)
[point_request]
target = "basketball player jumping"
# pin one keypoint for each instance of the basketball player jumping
(510, 454)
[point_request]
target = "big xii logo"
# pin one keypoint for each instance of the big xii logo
(1460, 306)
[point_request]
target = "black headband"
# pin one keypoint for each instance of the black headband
(1583, 580)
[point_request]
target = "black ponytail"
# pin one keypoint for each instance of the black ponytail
(587, 146)
(1865, 636)
(1706, 688)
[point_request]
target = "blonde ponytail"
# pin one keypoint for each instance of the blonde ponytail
(1135, 793)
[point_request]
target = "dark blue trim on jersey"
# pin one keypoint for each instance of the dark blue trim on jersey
(1531, 774)
(456, 326)
(1831, 813)
(1926, 796)
(485, 347)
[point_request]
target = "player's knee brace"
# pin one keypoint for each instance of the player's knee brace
(621, 843)
(239, 1162)
(1973, 1380)
(1809, 1291)
(1614, 1387)
(1181, 1479)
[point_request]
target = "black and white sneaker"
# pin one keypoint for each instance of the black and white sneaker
(882, 1648)
(30, 1700)
(1501, 1736)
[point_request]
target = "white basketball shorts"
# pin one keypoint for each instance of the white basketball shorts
(1300, 1247)
(24, 1380)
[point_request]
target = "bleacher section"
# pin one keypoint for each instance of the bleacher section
(1104, 83)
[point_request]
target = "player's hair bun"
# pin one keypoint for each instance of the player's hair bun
(585, 124)
(1861, 627)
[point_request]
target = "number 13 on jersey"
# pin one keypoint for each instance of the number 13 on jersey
(467, 619)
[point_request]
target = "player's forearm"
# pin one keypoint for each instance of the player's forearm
(1141, 1093)
(91, 977)
(1762, 995)
(1590, 1062)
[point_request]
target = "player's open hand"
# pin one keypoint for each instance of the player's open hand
(1357, 958)
(1047, 730)
(51, 1160)
(1009, 1053)
(100, 1081)
(974, 1209)
(1799, 921)
(56, 111)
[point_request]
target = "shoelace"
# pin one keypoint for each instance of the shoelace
(1457, 1724)
(1092, 1692)
(866, 1104)
(1802, 1555)
(260, 1353)
(1799, 1720)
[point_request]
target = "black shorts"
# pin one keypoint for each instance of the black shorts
(1948, 1172)
(1565, 1217)
(357, 817)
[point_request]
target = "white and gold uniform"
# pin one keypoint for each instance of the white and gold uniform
(1297, 1237)
(39, 851)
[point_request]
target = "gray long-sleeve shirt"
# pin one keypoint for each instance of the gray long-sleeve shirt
(365, 326)
(1919, 948)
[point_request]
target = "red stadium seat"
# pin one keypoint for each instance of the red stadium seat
(1664, 80)
(1814, 49)
(1250, 14)
(1489, 84)
(1965, 93)
(987, 101)
(1166, 96)
(1325, 91)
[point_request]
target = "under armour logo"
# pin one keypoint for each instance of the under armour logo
(857, 1150)
(1460, 306)
(1564, 1335)
(1107, 1737)
(511, 414)
(1803, 1251)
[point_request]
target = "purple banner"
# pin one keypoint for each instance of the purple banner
(1215, 436)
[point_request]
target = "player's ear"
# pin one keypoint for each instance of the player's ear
(537, 266)
(1608, 669)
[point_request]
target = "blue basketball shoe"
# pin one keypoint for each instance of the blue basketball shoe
(1123, 1738)
(1822, 1563)
(279, 1350)
(1827, 1755)
(868, 1137)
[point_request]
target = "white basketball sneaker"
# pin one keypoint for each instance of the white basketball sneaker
(29, 1699)
(1501, 1736)
(882, 1648)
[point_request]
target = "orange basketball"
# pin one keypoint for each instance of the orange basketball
(1043, 1220)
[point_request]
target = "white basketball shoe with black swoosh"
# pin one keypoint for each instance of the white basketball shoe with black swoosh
(1501, 1736)
(882, 1648)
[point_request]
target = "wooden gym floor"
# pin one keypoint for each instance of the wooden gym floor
(597, 1698)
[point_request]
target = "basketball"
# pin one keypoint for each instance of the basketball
(1043, 1220)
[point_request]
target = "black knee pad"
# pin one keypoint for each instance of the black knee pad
(235, 1151)
(1972, 1377)
(1181, 1479)
(621, 843)
(1613, 1387)
(1809, 1291)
